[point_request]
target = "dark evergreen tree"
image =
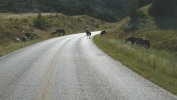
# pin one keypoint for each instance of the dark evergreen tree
(39, 22)
(114, 4)
(144, 2)
(164, 7)
(133, 10)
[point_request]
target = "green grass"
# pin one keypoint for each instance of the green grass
(159, 67)
(5, 49)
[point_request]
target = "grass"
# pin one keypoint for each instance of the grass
(159, 67)
(5, 49)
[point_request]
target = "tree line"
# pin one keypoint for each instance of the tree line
(159, 7)
(68, 8)
(166, 8)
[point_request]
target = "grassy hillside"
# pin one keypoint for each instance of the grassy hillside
(15, 25)
(159, 63)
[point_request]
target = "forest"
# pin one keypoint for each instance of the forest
(107, 10)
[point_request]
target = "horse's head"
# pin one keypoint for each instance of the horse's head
(131, 39)
(127, 39)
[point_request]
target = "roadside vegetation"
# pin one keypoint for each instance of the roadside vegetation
(157, 64)
(16, 25)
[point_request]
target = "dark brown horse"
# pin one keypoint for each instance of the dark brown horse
(31, 34)
(24, 39)
(53, 33)
(131, 39)
(103, 32)
(28, 34)
(88, 34)
(143, 42)
(60, 31)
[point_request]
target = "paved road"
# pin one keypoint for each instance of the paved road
(71, 68)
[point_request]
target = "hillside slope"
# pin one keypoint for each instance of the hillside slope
(157, 64)
(160, 30)
(15, 25)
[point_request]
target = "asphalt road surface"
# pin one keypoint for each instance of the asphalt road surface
(71, 68)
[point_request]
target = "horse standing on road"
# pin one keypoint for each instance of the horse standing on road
(88, 34)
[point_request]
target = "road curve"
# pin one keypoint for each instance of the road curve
(71, 68)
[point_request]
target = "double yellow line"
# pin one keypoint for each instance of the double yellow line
(49, 75)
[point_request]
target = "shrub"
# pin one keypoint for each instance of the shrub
(42, 22)
(130, 26)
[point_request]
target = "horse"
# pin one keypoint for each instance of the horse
(132, 39)
(24, 39)
(16, 39)
(31, 35)
(103, 32)
(143, 42)
(28, 34)
(35, 34)
(88, 34)
(60, 31)
(53, 33)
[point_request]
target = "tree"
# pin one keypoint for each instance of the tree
(39, 22)
(133, 10)
(144, 2)
(163, 7)
(114, 4)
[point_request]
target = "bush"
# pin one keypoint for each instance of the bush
(42, 22)
(130, 26)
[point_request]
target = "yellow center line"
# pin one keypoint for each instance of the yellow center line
(51, 69)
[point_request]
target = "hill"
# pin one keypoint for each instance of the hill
(15, 25)
(157, 64)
